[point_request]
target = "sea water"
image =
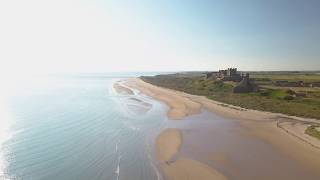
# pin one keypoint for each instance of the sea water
(77, 127)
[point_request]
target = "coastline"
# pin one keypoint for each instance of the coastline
(264, 125)
(179, 106)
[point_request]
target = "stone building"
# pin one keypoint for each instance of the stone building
(229, 74)
(289, 84)
(210, 75)
(314, 84)
(245, 85)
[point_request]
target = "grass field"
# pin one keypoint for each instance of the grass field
(313, 131)
(279, 100)
(287, 76)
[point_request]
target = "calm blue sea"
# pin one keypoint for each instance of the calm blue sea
(77, 127)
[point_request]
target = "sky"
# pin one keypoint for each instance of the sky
(38, 36)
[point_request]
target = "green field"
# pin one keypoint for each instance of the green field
(279, 100)
(313, 131)
(287, 76)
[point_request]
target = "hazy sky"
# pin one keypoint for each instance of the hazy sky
(154, 35)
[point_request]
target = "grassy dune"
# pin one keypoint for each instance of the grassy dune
(272, 100)
(313, 131)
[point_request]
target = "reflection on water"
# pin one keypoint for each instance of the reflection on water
(79, 128)
(230, 148)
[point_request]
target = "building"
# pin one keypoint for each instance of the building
(210, 75)
(229, 74)
(245, 86)
(314, 84)
(289, 84)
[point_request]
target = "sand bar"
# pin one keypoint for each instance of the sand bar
(168, 144)
(180, 106)
(122, 89)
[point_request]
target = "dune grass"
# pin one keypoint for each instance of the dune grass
(313, 131)
(272, 100)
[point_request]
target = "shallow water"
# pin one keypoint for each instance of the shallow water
(79, 128)
(229, 147)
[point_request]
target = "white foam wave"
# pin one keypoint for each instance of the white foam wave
(117, 171)
(117, 146)
(5, 135)
(134, 128)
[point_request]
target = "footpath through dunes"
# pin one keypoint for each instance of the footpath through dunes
(297, 159)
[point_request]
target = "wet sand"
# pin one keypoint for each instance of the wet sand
(260, 126)
(180, 106)
(184, 169)
(297, 129)
(236, 150)
(168, 144)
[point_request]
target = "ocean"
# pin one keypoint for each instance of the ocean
(76, 127)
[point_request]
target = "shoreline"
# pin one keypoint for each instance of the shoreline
(179, 106)
(264, 125)
(168, 142)
(222, 109)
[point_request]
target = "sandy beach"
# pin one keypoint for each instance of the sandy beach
(180, 106)
(276, 129)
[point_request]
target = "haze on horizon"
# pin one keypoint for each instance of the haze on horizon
(170, 35)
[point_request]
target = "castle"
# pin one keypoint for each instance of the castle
(230, 74)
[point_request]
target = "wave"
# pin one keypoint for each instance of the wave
(117, 171)
(59, 129)
(5, 135)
